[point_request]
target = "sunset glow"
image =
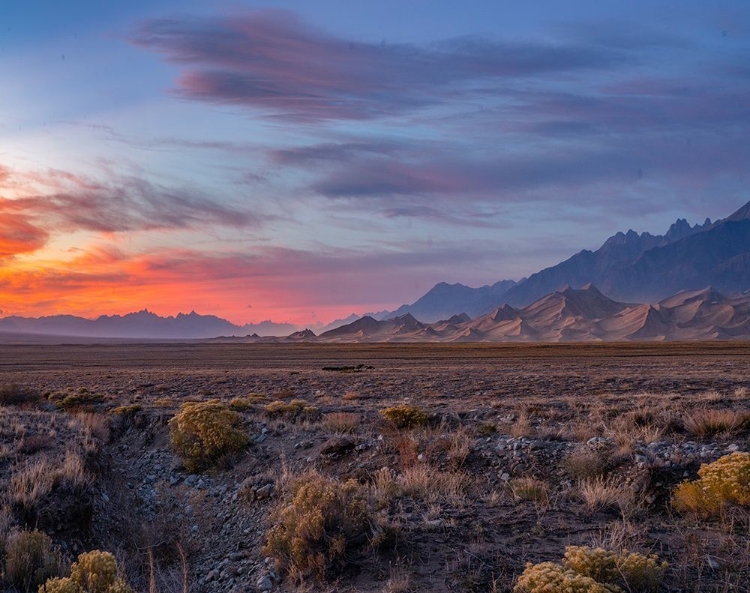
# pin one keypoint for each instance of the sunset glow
(303, 161)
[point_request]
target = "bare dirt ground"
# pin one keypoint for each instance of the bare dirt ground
(525, 449)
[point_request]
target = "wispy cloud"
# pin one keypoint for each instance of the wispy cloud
(272, 61)
(56, 201)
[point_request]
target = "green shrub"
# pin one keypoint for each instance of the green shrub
(240, 404)
(319, 527)
(725, 481)
(82, 399)
(549, 577)
(594, 570)
(487, 429)
(405, 416)
(293, 410)
(29, 560)
(94, 572)
(130, 410)
(629, 570)
(201, 432)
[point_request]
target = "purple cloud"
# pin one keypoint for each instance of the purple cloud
(72, 202)
(272, 61)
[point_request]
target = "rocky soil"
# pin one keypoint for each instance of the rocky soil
(502, 419)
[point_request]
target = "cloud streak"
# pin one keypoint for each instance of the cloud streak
(273, 62)
(58, 201)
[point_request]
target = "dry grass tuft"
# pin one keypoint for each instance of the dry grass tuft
(342, 422)
(530, 488)
(37, 479)
(431, 485)
(19, 395)
(29, 560)
(584, 462)
(710, 422)
(600, 493)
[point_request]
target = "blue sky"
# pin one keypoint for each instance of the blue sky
(303, 160)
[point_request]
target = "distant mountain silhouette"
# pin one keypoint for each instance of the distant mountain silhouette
(367, 327)
(570, 315)
(604, 266)
(628, 266)
(143, 324)
(445, 300)
(305, 334)
(719, 257)
(558, 303)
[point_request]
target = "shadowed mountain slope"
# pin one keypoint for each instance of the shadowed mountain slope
(571, 315)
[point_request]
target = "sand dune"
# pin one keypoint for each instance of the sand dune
(568, 315)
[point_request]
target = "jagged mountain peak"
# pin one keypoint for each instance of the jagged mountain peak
(741, 214)
(459, 318)
(305, 334)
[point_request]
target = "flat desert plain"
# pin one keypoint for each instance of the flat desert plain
(438, 467)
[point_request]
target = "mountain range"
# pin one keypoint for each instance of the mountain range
(567, 315)
(629, 268)
(143, 324)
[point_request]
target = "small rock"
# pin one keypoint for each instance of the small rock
(264, 583)
(265, 492)
(338, 447)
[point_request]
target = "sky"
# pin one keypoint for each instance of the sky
(300, 161)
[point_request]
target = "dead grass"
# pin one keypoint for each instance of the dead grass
(601, 494)
(523, 426)
(35, 480)
(709, 422)
(13, 394)
(531, 489)
(431, 485)
(342, 422)
(585, 462)
(445, 484)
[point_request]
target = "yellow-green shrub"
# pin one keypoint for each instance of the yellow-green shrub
(129, 410)
(633, 571)
(295, 409)
(594, 570)
(29, 560)
(60, 585)
(318, 527)
(549, 577)
(240, 404)
(82, 399)
(405, 416)
(725, 481)
(94, 572)
(203, 431)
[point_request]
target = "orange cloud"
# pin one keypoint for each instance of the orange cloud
(280, 284)
(19, 235)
